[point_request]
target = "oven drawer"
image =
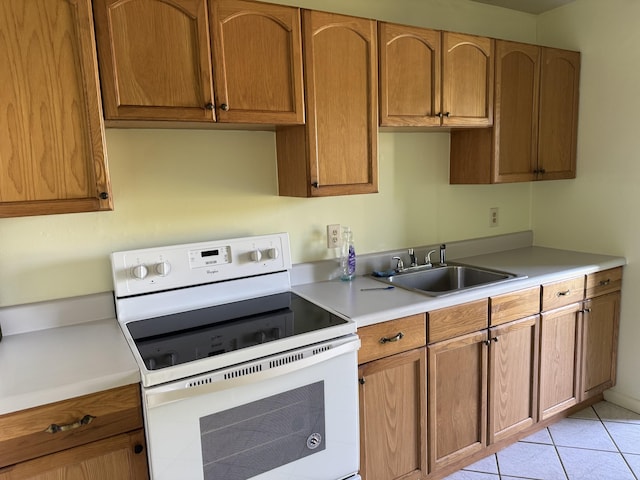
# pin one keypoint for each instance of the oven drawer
(57, 426)
(388, 338)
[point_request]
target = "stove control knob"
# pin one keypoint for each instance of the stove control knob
(163, 268)
(140, 271)
(273, 253)
(256, 255)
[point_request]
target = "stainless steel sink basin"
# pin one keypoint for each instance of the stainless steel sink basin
(438, 281)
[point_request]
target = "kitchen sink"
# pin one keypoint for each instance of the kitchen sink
(445, 280)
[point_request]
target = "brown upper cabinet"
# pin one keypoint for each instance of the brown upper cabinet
(156, 60)
(336, 151)
(430, 78)
(52, 147)
(536, 116)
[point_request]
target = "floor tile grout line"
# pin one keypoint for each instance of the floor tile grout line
(555, 447)
(624, 459)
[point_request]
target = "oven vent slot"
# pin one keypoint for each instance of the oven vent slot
(198, 383)
(241, 372)
(285, 360)
(325, 348)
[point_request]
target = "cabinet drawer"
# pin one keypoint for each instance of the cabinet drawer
(388, 338)
(606, 281)
(565, 292)
(31, 433)
(514, 305)
(454, 321)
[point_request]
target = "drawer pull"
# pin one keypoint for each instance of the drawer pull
(604, 282)
(55, 428)
(563, 294)
(395, 338)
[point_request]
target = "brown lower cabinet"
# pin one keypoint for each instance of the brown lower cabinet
(120, 457)
(93, 437)
(496, 370)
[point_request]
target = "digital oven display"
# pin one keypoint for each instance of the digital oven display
(209, 257)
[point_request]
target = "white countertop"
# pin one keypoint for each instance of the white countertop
(540, 265)
(62, 360)
(55, 364)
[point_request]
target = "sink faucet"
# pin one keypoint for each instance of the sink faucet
(443, 253)
(412, 257)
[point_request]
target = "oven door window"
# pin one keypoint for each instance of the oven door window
(256, 437)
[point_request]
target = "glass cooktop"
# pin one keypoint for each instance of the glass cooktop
(183, 337)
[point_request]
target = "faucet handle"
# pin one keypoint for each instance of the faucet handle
(427, 258)
(412, 257)
(400, 264)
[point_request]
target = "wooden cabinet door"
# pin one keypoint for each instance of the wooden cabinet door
(560, 353)
(340, 139)
(599, 344)
(457, 380)
(558, 129)
(52, 147)
(515, 131)
(393, 408)
(513, 377)
(258, 62)
(409, 75)
(155, 62)
(467, 80)
(121, 457)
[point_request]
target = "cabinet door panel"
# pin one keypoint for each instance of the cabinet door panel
(467, 80)
(600, 340)
(258, 76)
(457, 398)
(516, 111)
(513, 378)
(52, 153)
(121, 457)
(155, 59)
(409, 75)
(559, 95)
(560, 350)
(392, 417)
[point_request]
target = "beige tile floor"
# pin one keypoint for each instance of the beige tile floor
(599, 443)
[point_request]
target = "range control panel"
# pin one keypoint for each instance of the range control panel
(156, 269)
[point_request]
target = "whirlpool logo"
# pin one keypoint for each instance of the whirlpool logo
(213, 272)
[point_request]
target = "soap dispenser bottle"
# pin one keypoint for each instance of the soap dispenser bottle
(348, 257)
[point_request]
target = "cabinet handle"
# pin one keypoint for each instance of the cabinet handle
(209, 106)
(137, 449)
(55, 428)
(495, 339)
(447, 114)
(315, 184)
(586, 310)
(361, 380)
(103, 195)
(395, 338)
(439, 115)
(487, 342)
(604, 282)
(563, 294)
(224, 107)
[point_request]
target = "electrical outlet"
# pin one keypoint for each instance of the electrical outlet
(334, 237)
(493, 217)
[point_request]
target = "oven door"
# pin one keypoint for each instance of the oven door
(292, 416)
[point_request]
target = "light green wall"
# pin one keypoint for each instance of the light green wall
(193, 185)
(598, 211)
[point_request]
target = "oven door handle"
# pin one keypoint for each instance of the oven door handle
(158, 396)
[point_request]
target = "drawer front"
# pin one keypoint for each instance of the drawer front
(388, 338)
(454, 321)
(515, 305)
(606, 281)
(57, 426)
(559, 294)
